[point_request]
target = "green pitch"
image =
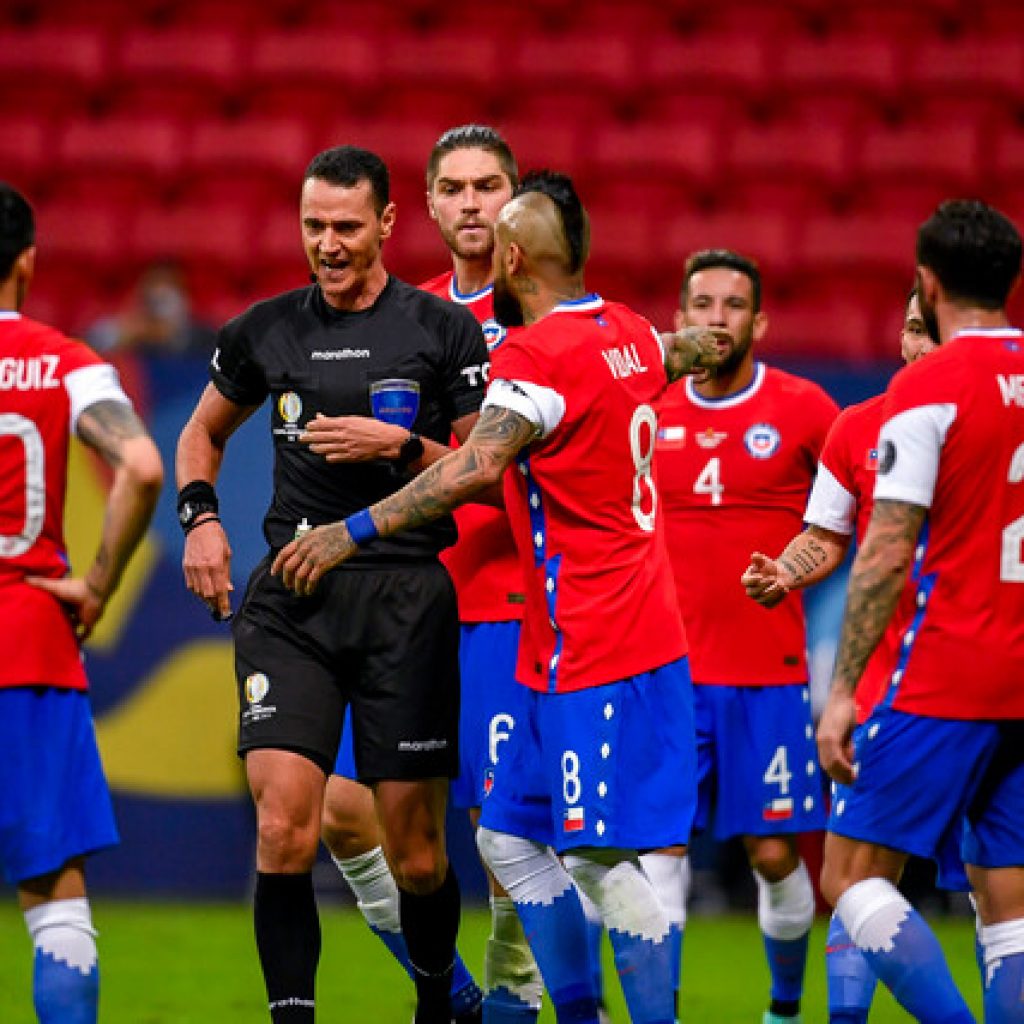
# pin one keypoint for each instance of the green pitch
(189, 964)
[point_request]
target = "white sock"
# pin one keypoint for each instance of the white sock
(374, 888)
(670, 876)
(785, 910)
(63, 929)
(508, 962)
(872, 911)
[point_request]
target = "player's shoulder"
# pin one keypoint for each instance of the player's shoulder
(861, 413)
(263, 314)
(440, 285)
(35, 338)
(940, 373)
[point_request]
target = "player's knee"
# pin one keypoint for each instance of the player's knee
(420, 869)
(285, 845)
(348, 832)
(834, 881)
(773, 857)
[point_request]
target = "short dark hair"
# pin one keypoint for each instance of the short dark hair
(729, 259)
(575, 223)
(974, 251)
(17, 227)
(346, 166)
(473, 136)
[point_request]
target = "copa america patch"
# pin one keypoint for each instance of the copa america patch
(494, 333)
(762, 440)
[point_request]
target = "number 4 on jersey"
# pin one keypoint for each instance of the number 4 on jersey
(710, 480)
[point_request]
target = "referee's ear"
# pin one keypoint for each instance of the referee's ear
(387, 221)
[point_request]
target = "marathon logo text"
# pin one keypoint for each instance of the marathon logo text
(1012, 389)
(36, 374)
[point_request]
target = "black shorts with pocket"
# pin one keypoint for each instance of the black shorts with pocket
(384, 639)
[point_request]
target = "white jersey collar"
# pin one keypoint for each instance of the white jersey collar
(727, 401)
(990, 332)
(584, 304)
(9, 314)
(465, 298)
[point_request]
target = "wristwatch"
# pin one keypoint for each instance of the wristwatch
(190, 511)
(411, 450)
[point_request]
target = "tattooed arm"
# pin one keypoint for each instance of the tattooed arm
(459, 477)
(696, 350)
(113, 431)
(808, 558)
(878, 576)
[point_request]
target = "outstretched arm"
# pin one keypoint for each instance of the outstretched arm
(478, 464)
(113, 430)
(207, 558)
(810, 557)
(878, 576)
(693, 350)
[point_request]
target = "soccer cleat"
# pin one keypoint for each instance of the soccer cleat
(774, 1018)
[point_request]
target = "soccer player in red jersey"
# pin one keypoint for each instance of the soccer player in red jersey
(55, 807)
(601, 766)
(943, 750)
(736, 454)
(838, 508)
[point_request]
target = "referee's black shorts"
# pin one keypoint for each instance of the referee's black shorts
(383, 639)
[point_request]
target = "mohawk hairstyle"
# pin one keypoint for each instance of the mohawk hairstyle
(575, 222)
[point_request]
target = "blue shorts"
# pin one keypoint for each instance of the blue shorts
(54, 800)
(492, 703)
(758, 772)
(926, 783)
(612, 766)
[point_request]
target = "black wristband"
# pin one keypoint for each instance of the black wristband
(187, 528)
(411, 450)
(195, 499)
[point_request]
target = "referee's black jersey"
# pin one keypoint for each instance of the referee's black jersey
(310, 358)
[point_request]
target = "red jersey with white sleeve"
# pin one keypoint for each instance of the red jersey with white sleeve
(734, 474)
(952, 441)
(583, 501)
(482, 563)
(46, 381)
(841, 502)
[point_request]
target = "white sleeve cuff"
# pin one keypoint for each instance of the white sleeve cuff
(543, 407)
(909, 447)
(831, 506)
(91, 384)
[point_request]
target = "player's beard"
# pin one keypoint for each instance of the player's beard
(732, 362)
(507, 310)
(479, 251)
(928, 315)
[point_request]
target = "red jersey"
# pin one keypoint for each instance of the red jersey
(952, 441)
(46, 380)
(734, 473)
(841, 501)
(583, 501)
(483, 562)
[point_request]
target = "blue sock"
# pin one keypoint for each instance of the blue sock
(595, 932)
(66, 974)
(851, 982)
(557, 931)
(787, 959)
(645, 971)
(466, 993)
(504, 1007)
(1004, 972)
(675, 942)
(63, 994)
(903, 952)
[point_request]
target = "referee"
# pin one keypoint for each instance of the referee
(382, 635)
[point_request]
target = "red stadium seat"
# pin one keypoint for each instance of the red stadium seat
(92, 232)
(819, 157)
(767, 238)
(813, 328)
(992, 65)
(540, 144)
(865, 65)
(186, 71)
(457, 58)
(940, 152)
(685, 155)
(736, 61)
(52, 69)
(623, 246)
(25, 154)
(250, 160)
(124, 158)
(288, 78)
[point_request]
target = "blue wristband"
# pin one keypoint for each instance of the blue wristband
(361, 528)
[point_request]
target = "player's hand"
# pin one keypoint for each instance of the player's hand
(835, 736)
(353, 438)
(765, 580)
(695, 350)
(302, 563)
(207, 566)
(84, 603)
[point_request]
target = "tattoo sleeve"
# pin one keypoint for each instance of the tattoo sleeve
(491, 447)
(106, 425)
(878, 576)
